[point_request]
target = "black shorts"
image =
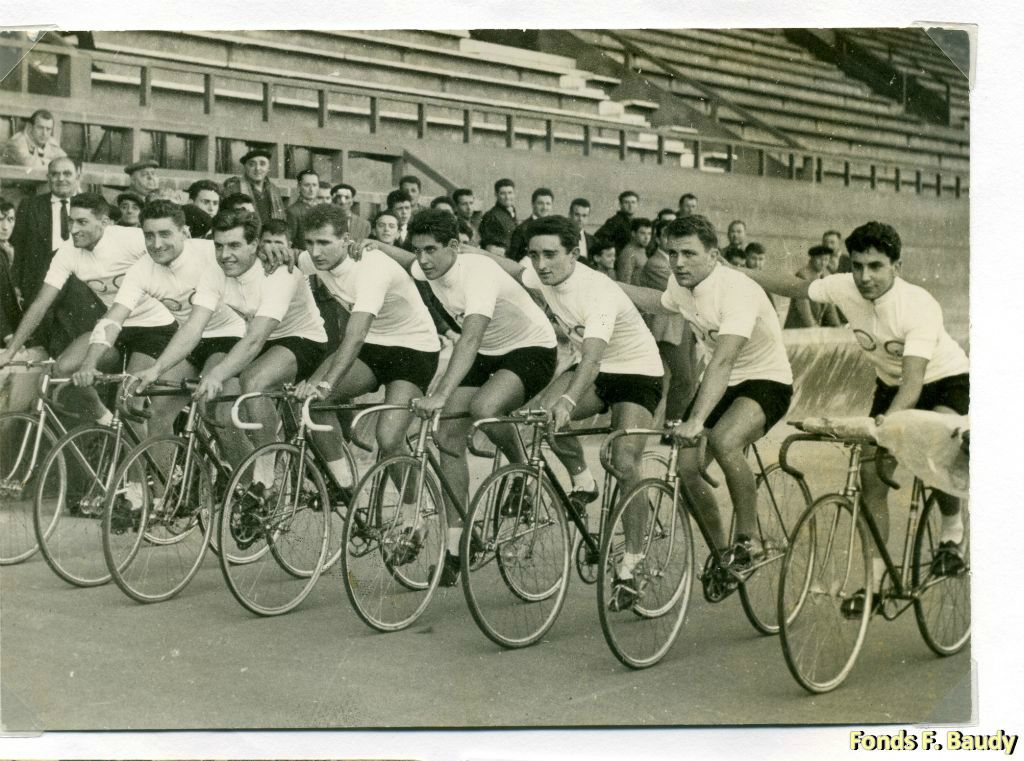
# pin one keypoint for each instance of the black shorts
(308, 354)
(391, 363)
(771, 396)
(534, 366)
(150, 341)
(953, 391)
(645, 390)
(207, 347)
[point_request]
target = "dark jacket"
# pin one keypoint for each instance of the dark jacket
(276, 206)
(616, 229)
(496, 227)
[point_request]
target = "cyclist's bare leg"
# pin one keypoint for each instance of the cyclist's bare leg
(233, 441)
(627, 456)
(269, 372)
(741, 425)
(86, 398)
(502, 393)
(451, 439)
(358, 380)
(701, 495)
(568, 450)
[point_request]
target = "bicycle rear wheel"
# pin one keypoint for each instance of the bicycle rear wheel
(943, 605)
(781, 500)
(828, 562)
(157, 522)
(18, 483)
(643, 633)
(279, 533)
(71, 493)
(515, 556)
(394, 535)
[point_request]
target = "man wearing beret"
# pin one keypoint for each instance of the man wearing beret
(254, 183)
(142, 179)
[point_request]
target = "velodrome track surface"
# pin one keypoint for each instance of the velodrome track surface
(93, 659)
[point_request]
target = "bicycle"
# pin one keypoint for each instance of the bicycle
(829, 562)
(275, 538)
(664, 573)
(515, 579)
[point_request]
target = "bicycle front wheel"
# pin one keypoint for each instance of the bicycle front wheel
(827, 564)
(943, 603)
(781, 500)
(19, 469)
(650, 523)
(278, 533)
(69, 503)
(515, 556)
(394, 543)
(157, 525)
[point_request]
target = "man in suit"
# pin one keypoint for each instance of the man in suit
(579, 213)
(42, 224)
(497, 224)
(307, 185)
(464, 210)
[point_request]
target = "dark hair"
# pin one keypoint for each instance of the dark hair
(199, 186)
(465, 228)
(384, 213)
(877, 235)
(41, 113)
(600, 244)
(306, 172)
(581, 202)
(344, 185)
(278, 227)
(440, 200)
(754, 248)
(660, 225)
(396, 197)
(439, 224)
(540, 192)
(5, 206)
(327, 185)
(128, 195)
(504, 182)
(627, 193)
(832, 232)
(684, 196)
(198, 221)
(694, 224)
(566, 230)
(229, 220)
(737, 222)
(412, 179)
(460, 193)
(94, 202)
(162, 209)
(819, 250)
(326, 214)
(637, 222)
(665, 211)
(234, 200)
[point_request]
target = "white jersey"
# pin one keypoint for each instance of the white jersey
(730, 303)
(589, 304)
(476, 284)
(103, 270)
(377, 284)
(906, 320)
(174, 286)
(282, 295)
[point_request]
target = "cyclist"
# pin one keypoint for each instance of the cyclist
(504, 356)
(917, 364)
(747, 384)
(388, 338)
(619, 368)
(100, 254)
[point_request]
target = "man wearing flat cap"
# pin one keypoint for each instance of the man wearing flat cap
(142, 179)
(254, 183)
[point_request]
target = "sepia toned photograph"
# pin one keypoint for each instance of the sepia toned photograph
(485, 378)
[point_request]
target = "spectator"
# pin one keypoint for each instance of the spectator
(242, 201)
(445, 203)
(323, 193)
(804, 313)
(737, 257)
(35, 146)
(496, 226)
(666, 215)
(465, 232)
(410, 184)
(307, 186)
(756, 254)
(737, 248)
(617, 228)
(687, 204)
(542, 203)
(464, 211)
(344, 196)
(142, 178)
(256, 184)
(633, 255)
(199, 223)
(603, 257)
(130, 205)
(579, 213)
(838, 260)
(205, 195)
(385, 228)
(400, 205)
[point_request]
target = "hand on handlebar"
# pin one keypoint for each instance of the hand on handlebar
(428, 406)
(144, 378)
(688, 432)
(561, 414)
(309, 390)
(86, 376)
(209, 388)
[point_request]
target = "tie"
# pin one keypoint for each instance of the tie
(64, 220)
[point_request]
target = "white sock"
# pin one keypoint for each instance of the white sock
(584, 481)
(106, 418)
(878, 570)
(629, 561)
(952, 528)
(454, 537)
(341, 471)
(263, 470)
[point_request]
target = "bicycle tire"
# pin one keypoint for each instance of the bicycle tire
(281, 527)
(811, 585)
(156, 559)
(641, 638)
(387, 595)
(943, 603)
(339, 512)
(515, 557)
(18, 432)
(69, 528)
(781, 500)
